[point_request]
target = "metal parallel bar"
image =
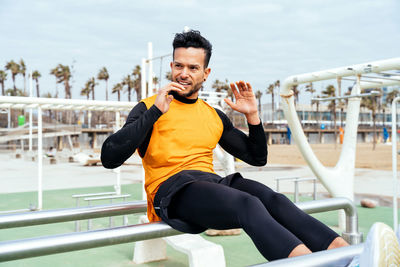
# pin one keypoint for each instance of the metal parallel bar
(52, 216)
(64, 215)
(94, 194)
(107, 197)
(333, 257)
(33, 247)
(351, 235)
(12, 250)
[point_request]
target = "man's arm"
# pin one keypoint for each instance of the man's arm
(252, 149)
(121, 145)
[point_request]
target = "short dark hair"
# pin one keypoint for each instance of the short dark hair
(194, 39)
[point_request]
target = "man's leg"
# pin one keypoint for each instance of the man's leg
(221, 207)
(312, 232)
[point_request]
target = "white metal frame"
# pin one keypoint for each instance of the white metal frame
(14, 102)
(338, 180)
(394, 163)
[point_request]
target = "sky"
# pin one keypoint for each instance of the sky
(258, 41)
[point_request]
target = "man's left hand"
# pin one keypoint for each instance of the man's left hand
(246, 102)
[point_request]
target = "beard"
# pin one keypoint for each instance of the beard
(194, 90)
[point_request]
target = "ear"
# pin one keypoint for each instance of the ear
(206, 73)
(170, 65)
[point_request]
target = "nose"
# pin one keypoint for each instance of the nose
(184, 73)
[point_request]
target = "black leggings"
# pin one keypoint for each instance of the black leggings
(272, 221)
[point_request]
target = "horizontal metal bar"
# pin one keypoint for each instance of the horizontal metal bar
(94, 194)
(64, 215)
(33, 247)
(383, 78)
(372, 93)
(333, 257)
(106, 197)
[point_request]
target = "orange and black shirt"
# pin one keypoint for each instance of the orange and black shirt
(181, 139)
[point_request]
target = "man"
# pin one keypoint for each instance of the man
(175, 133)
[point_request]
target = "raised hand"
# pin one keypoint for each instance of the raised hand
(164, 99)
(246, 102)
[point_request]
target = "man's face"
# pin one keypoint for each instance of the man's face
(188, 70)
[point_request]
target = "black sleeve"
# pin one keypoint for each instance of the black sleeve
(251, 149)
(118, 147)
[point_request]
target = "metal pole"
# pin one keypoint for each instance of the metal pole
(118, 170)
(65, 215)
(40, 160)
(143, 78)
(30, 113)
(20, 249)
(315, 189)
(333, 257)
(150, 64)
(394, 163)
(296, 190)
(351, 234)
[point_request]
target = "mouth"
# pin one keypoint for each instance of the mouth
(185, 84)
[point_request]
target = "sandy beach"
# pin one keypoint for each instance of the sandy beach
(366, 157)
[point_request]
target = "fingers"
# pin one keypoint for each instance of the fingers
(234, 90)
(229, 102)
(173, 86)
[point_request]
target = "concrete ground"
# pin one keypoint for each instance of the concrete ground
(20, 175)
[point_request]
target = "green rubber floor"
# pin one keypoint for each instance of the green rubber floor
(239, 250)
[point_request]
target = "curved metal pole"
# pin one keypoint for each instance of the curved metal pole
(343, 173)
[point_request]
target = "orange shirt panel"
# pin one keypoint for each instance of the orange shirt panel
(182, 139)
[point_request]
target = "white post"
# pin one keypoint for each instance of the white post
(30, 113)
(118, 170)
(150, 64)
(40, 160)
(394, 163)
(9, 118)
(143, 78)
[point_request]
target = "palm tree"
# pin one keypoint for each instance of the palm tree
(220, 86)
(103, 75)
(129, 84)
(86, 90)
(271, 90)
(92, 84)
(14, 68)
(371, 104)
(258, 97)
(137, 82)
(22, 70)
(63, 75)
(296, 93)
(330, 91)
(117, 89)
(392, 95)
(277, 84)
(3, 78)
(36, 75)
(168, 76)
(310, 88)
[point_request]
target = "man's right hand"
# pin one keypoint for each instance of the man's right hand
(164, 99)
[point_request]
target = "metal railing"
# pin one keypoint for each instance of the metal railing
(65, 215)
(25, 248)
(333, 257)
(296, 181)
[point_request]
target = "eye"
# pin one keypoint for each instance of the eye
(178, 65)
